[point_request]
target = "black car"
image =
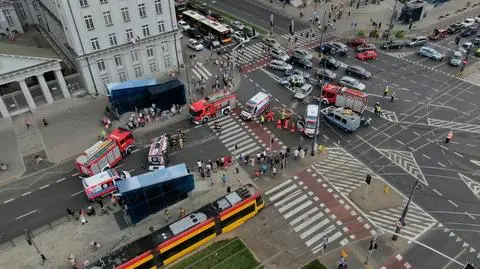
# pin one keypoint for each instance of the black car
(326, 49)
(194, 33)
(358, 71)
(393, 44)
(329, 63)
(326, 74)
(301, 62)
(469, 31)
(454, 28)
(211, 42)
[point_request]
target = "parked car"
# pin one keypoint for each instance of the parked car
(365, 47)
(304, 62)
(195, 45)
(353, 83)
(476, 40)
(238, 25)
(467, 45)
(456, 59)
(194, 33)
(271, 42)
(417, 41)
(211, 42)
(358, 71)
(297, 72)
(302, 92)
(431, 53)
(356, 42)
(340, 48)
(279, 65)
(329, 62)
(239, 36)
(251, 32)
(454, 28)
(468, 22)
(325, 48)
(183, 25)
(393, 44)
(292, 81)
(325, 74)
(279, 54)
(367, 55)
(346, 119)
(477, 18)
(301, 53)
(469, 31)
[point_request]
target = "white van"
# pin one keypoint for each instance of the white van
(255, 106)
(311, 120)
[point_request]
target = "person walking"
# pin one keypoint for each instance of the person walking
(44, 259)
(70, 212)
(182, 212)
(166, 213)
(274, 171)
(83, 219)
(296, 153)
(392, 98)
(262, 120)
(385, 92)
(28, 123)
(449, 137)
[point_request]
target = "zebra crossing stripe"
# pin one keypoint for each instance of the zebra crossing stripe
(204, 69)
(199, 70)
(233, 137)
(320, 235)
(228, 130)
(219, 120)
(288, 198)
(283, 192)
(298, 209)
(315, 228)
(250, 150)
(308, 222)
(274, 189)
(293, 203)
(196, 73)
(239, 145)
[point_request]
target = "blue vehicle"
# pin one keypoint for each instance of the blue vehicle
(431, 53)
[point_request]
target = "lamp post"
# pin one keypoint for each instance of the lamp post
(401, 221)
(314, 143)
(390, 26)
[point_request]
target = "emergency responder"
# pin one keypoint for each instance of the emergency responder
(375, 107)
(180, 142)
(385, 92)
(292, 128)
(283, 115)
(279, 124)
(285, 123)
(262, 120)
(392, 98)
(449, 137)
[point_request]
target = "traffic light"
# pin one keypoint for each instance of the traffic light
(469, 266)
(368, 180)
(372, 245)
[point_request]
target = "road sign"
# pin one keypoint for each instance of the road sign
(399, 224)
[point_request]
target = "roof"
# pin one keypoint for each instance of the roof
(28, 51)
(93, 152)
(353, 92)
(99, 178)
(132, 84)
(259, 96)
(119, 133)
(312, 110)
(151, 178)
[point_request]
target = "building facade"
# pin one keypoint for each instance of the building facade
(110, 40)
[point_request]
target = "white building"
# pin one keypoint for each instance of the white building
(110, 40)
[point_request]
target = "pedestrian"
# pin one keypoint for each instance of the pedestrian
(229, 190)
(410, 27)
(182, 212)
(70, 212)
(274, 171)
(296, 153)
(28, 123)
(262, 120)
(257, 174)
(83, 218)
(355, 25)
(72, 259)
(379, 25)
(199, 165)
(392, 98)
(151, 229)
(166, 213)
(44, 259)
(460, 73)
(45, 122)
(449, 137)
(349, 13)
(114, 200)
(97, 245)
(385, 92)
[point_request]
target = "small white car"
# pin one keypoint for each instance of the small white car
(302, 92)
(195, 45)
(280, 54)
(350, 82)
(271, 42)
(240, 37)
(183, 25)
(238, 25)
(468, 22)
(467, 45)
(279, 65)
(477, 18)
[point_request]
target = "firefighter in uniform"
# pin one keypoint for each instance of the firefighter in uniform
(279, 124)
(285, 123)
(270, 116)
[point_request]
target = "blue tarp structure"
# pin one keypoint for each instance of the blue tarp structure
(138, 94)
(150, 192)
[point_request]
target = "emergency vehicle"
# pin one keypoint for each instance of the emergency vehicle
(311, 120)
(344, 97)
(106, 154)
(158, 153)
(103, 183)
(255, 106)
(212, 106)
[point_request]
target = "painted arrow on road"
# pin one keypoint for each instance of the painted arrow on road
(386, 114)
(399, 54)
(473, 185)
(406, 161)
(465, 127)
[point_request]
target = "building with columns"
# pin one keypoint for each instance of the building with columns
(22, 66)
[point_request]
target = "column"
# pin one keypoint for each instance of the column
(45, 89)
(61, 83)
(27, 94)
(3, 109)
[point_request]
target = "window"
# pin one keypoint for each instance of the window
(153, 67)
(125, 14)
(146, 31)
(113, 39)
(103, 1)
(134, 55)
(141, 11)
(95, 44)
(161, 26)
(35, 6)
(246, 211)
(138, 71)
(189, 242)
(107, 17)
(6, 14)
(167, 61)
(165, 47)
(89, 22)
(101, 65)
(150, 51)
(22, 10)
(122, 75)
(118, 60)
(106, 80)
(83, 3)
(129, 34)
(158, 6)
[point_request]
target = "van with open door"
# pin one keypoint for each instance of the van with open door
(255, 106)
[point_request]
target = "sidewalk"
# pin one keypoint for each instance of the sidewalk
(68, 236)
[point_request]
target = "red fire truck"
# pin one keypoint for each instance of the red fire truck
(344, 97)
(106, 154)
(212, 106)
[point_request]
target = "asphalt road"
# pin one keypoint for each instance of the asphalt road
(41, 199)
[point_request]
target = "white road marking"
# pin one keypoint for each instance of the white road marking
(135, 150)
(455, 258)
(27, 193)
(441, 164)
(77, 193)
(8, 201)
(399, 142)
(415, 133)
(426, 156)
(470, 215)
(458, 154)
(76, 174)
(451, 202)
(437, 192)
(147, 146)
(24, 215)
(60, 180)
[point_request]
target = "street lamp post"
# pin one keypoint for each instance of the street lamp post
(390, 26)
(271, 25)
(314, 143)
(401, 221)
(234, 57)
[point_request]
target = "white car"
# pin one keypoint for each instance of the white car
(195, 45)
(279, 65)
(477, 18)
(468, 22)
(238, 25)
(280, 54)
(302, 92)
(183, 25)
(271, 42)
(350, 82)
(240, 37)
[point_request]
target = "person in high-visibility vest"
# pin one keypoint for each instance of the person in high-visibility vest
(385, 92)
(449, 137)
(262, 120)
(279, 124)
(283, 115)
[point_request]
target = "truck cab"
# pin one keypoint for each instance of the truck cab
(124, 139)
(212, 106)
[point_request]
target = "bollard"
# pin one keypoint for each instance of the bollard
(386, 189)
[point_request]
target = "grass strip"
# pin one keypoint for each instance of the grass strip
(315, 264)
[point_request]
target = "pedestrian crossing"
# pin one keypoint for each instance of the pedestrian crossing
(200, 71)
(234, 132)
(306, 36)
(352, 175)
(248, 54)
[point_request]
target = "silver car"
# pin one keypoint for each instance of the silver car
(350, 82)
(279, 65)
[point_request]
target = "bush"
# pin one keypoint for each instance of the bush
(361, 33)
(315, 264)
(400, 34)
(374, 34)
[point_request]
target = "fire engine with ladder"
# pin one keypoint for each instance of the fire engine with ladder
(215, 105)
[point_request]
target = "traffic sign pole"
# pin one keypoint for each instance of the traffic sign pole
(373, 245)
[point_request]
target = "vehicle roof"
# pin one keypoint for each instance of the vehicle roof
(159, 145)
(348, 78)
(312, 110)
(346, 113)
(119, 134)
(259, 96)
(100, 177)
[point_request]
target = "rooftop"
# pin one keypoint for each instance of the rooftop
(28, 51)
